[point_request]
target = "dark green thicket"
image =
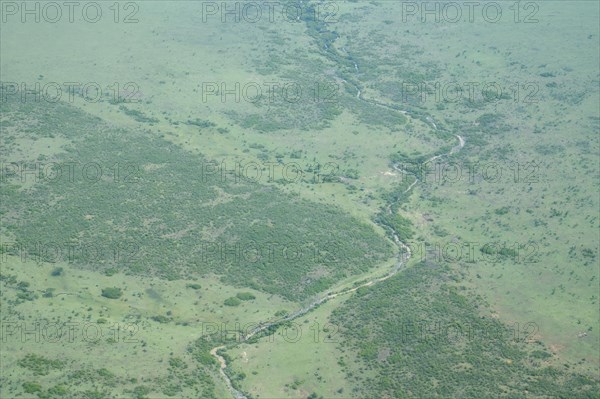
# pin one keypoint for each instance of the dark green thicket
(162, 213)
(406, 334)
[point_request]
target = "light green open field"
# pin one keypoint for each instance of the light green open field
(550, 127)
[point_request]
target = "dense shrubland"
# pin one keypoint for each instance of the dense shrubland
(160, 214)
(402, 351)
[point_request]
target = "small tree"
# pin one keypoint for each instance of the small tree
(31, 387)
(194, 286)
(233, 301)
(245, 296)
(112, 293)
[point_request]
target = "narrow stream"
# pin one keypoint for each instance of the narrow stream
(403, 257)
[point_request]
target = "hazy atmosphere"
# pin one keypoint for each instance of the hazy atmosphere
(300, 199)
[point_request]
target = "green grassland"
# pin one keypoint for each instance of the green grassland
(558, 131)
(168, 103)
(485, 359)
(556, 211)
(152, 350)
(240, 231)
(160, 215)
(51, 211)
(296, 360)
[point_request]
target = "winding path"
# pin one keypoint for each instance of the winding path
(403, 256)
(455, 149)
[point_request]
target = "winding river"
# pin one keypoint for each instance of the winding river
(403, 257)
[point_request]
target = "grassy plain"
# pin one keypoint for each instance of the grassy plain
(171, 54)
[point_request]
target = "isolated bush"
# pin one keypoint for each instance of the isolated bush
(112, 293)
(245, 296)
(161, 319)
(233, 301)
(31, 387)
